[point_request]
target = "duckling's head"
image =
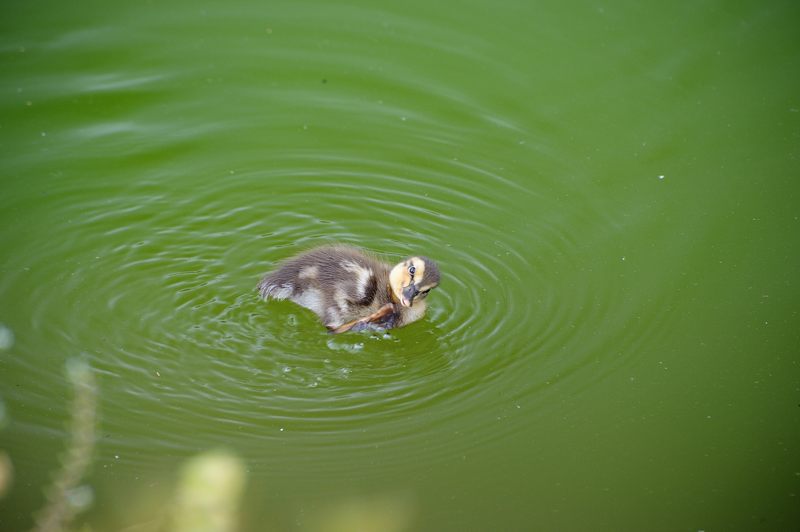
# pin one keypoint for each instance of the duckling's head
(412, 279)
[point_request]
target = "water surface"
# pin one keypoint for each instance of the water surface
(611, 193)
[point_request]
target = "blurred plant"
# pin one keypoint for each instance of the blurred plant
(6, 469)
(64, 496)
(6, 338)
(208, 493)
(375, 513)
(209, 489)
(6, 473)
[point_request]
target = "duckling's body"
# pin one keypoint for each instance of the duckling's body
(351, 290)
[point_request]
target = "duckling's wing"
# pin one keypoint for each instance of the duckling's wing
(353, 281)
(341, 266)
(349, 285)
(338, 283)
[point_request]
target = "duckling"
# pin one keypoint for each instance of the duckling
(351, 290)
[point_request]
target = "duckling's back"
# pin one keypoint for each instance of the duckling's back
(338, 283)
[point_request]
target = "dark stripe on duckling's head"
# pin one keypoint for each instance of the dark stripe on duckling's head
(430, 273)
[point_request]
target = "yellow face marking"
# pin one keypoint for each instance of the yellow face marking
(400, 278)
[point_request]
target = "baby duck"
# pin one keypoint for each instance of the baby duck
(351, 290)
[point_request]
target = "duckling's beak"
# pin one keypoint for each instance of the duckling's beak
(409, 293)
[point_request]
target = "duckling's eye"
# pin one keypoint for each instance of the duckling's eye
(412, 270)
(425, 292)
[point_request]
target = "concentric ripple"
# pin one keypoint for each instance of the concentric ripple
(151, 267)
(167, 282)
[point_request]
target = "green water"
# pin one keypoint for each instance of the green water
(610, 190)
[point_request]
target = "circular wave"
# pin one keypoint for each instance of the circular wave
(152, 273)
